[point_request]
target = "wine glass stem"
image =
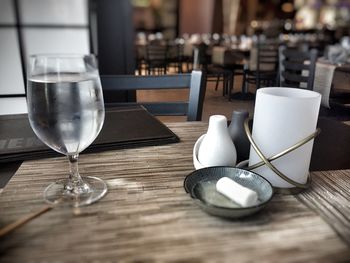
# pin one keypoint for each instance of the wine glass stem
(75, 184)
(74, 175)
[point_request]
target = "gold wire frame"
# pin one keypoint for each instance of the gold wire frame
(298, 187)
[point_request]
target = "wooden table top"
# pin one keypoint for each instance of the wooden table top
(147, 215)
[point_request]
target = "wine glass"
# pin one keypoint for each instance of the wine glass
(66, 112)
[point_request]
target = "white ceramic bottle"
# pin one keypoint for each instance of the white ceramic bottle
(217, 148)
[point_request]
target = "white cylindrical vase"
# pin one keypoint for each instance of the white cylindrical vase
(282, 118)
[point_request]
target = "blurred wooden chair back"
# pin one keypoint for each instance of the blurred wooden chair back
(192, 107)
(263, 64)
(156, 58)
(297, 68)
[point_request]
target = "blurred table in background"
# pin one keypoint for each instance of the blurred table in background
(233, 60)
(333, 82)
(341, 80)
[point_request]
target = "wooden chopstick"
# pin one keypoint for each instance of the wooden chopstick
(20, 222)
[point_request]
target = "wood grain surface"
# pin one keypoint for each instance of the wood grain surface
(147, 216)
(329, 196)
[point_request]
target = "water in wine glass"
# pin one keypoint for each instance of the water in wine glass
(66, 110)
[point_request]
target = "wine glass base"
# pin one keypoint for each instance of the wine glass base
(57, 193)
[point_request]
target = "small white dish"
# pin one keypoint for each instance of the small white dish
(243, 164)
(201, 185)
(196, 163)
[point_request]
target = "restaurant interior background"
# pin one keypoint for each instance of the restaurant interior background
(174, 18)
(147, 216)
(113, 30)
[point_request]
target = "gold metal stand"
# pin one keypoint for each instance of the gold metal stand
(267, 161)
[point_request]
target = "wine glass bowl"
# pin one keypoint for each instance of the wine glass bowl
(66, 112)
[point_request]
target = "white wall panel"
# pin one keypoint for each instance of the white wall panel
(52, 12)
(11, 78)
(7, 13)
(55, 40)
(13, 106)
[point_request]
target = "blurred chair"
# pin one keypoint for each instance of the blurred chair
(297, 68)
(262, 67)
(156, 58)
(225, 63)
(201, 59)
(175, 57)
(339, 99)
(215, 70)
(192, 108)
(187, 55)
(141, 65)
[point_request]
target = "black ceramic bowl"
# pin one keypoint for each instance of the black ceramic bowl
(201, 185)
